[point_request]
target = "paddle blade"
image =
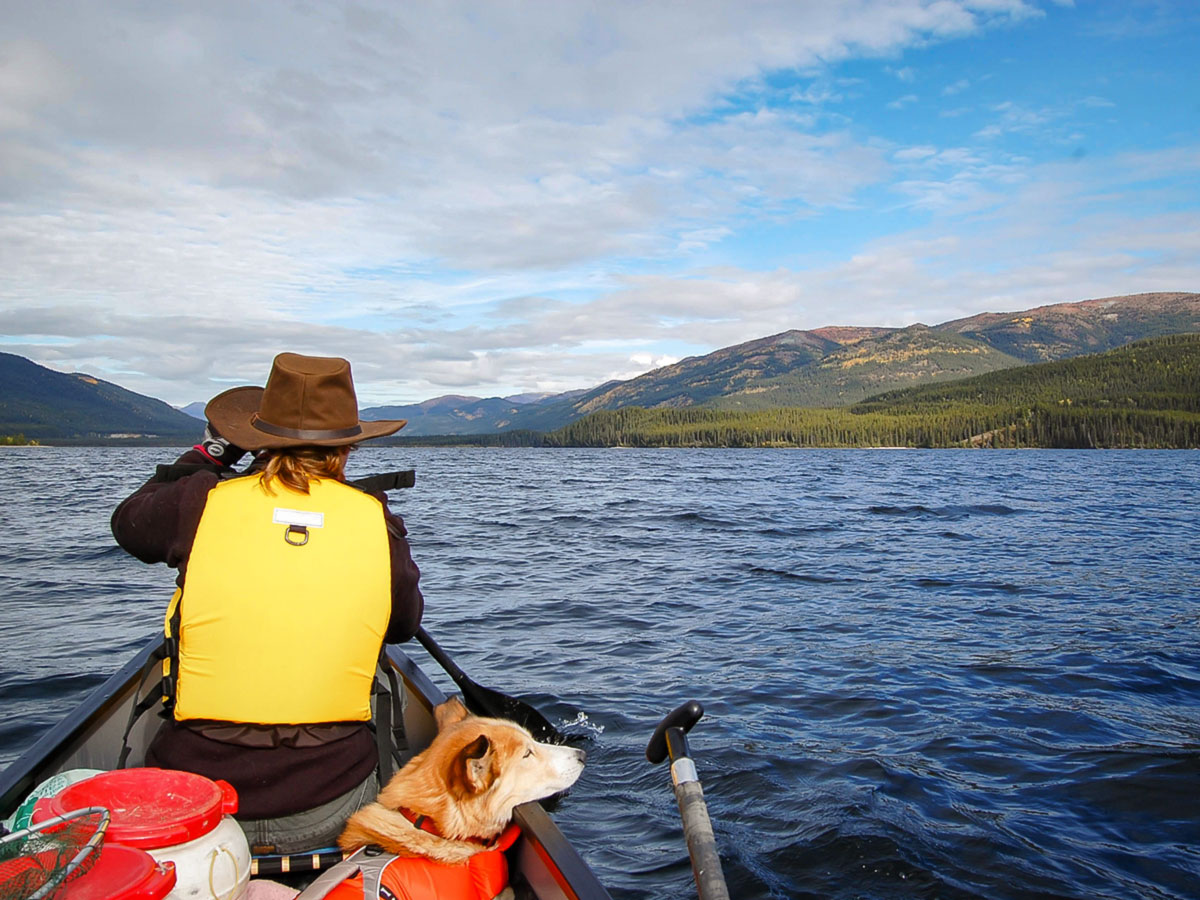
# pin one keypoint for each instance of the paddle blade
(485, 702)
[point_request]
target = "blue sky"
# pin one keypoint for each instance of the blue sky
(491, 198)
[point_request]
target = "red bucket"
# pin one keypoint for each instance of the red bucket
(150, 808)
(123, 873)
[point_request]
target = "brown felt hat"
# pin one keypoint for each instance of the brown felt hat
(308, 401)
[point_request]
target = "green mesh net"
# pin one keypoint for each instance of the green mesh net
(37, 863)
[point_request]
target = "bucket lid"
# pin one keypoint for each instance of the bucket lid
(124, 873)
(151, 807)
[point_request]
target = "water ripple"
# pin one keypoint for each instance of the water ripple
(925, 674)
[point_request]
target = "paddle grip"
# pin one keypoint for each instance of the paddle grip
(682, 717)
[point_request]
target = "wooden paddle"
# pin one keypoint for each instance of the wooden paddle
(486, 702)
(670, 739)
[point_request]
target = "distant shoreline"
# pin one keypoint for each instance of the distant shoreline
(464, 446)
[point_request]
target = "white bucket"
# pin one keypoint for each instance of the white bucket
(214, 866)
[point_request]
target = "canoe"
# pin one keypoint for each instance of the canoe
(542, 862)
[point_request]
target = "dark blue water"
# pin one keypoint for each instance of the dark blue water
(926, 674)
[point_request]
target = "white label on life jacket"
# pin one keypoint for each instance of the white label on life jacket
(299, 517)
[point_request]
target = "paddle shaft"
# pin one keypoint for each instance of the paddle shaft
(487, 702)
(443, 659)
(697, 827)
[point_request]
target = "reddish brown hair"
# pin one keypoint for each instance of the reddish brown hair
(296, 466)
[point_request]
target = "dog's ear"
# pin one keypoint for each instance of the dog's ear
(474, 765)
(450, 712)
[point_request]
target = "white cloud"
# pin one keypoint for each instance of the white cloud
(452, 194)
(819, 93)
(1052, 123)
(913, 154)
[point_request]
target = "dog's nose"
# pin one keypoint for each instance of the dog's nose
(581, 755)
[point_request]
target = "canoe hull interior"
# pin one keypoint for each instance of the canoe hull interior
(91, 737)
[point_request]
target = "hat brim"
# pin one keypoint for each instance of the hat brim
(232, 414)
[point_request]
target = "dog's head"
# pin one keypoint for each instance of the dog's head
(500, 758)
(483, 768)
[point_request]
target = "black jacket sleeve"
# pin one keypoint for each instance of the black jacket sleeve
(407, 603)
(158, 521)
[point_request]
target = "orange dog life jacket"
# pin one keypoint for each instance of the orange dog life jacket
(481, 877)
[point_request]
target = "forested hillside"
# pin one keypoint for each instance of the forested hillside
(37, 403)
(1146, 394)
(1160, 373)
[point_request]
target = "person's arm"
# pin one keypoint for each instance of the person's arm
(407, 602)
(157, 522)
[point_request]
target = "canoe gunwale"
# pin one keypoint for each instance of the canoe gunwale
(24, 774)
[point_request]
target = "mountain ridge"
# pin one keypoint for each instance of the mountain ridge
(841, 365)
(1143, 394)
(830, 366)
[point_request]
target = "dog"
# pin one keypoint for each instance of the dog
(447, 814)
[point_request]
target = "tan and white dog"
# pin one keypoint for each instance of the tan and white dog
(455, 800)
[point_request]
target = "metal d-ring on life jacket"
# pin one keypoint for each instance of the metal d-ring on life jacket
(368, 875)
(282, 588)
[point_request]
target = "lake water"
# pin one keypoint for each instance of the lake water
(946, 674)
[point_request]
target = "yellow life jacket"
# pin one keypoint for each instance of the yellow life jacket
(284, 606)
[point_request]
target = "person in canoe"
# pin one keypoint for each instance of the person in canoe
(290, 580)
